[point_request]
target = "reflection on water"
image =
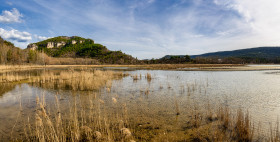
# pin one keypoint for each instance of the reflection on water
(5, 87)
(162, 103)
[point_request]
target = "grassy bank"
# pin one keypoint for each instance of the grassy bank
(7, 68)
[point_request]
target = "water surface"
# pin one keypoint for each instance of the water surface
(157, 101)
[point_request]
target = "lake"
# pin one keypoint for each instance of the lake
(157, 106)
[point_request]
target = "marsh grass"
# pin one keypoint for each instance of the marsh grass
(243, 127)
(149, 77)
(93, 117)
(82, 80)
(135, 77)
(76, 80)
(274, 133)
(90, 118)
(78, 122)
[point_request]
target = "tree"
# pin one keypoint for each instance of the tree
(31, 56)
(9, 55)
(187, 58)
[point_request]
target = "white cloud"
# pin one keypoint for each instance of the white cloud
(13, 16)
(40, 38)
(259, 19)
(15, 35)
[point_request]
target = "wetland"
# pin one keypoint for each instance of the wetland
(125, 103)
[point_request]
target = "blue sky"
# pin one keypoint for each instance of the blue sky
(146, 28)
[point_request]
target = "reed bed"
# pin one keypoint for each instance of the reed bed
(7, 68)
(76, 80)
(83, 80)
(78, 122)
(94, 119)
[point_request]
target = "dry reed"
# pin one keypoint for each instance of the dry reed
(84, 80)
(149, 77)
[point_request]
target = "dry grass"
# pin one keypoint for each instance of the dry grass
(274, 133)
(243, 127)
(84, 80)
(80, 122)
(91, 120)
(188, 67)
(135, 77)
(149, 77)
(76, 80)
(72, 61)
(6, 68)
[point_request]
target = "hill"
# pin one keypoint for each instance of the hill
(249, 55)
(78, 47)
(258, 52)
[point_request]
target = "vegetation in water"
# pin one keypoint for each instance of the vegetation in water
(94, 116)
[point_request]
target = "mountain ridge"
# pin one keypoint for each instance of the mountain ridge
(265, 54)
(268, 52)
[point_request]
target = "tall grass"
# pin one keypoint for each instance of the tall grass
(84, 80)
(149, 77)
(79, 122)
(91, 120)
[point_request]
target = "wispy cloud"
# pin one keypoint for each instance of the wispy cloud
(40, 38)
(13, 16)
(153, 28)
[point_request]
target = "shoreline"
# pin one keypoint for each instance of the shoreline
(174, 67)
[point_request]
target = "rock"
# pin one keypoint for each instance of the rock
(125, 132)
(59, 44)
(86, 133)
(213, 117)
(114, 100)
(50, 45)
(74, 41)
(32, 46)
(86, 130)
(97, 135)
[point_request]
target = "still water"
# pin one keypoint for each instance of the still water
(159, 99)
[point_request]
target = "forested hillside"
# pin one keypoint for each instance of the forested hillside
(78, 47)
(11, 54)
(250, 55)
